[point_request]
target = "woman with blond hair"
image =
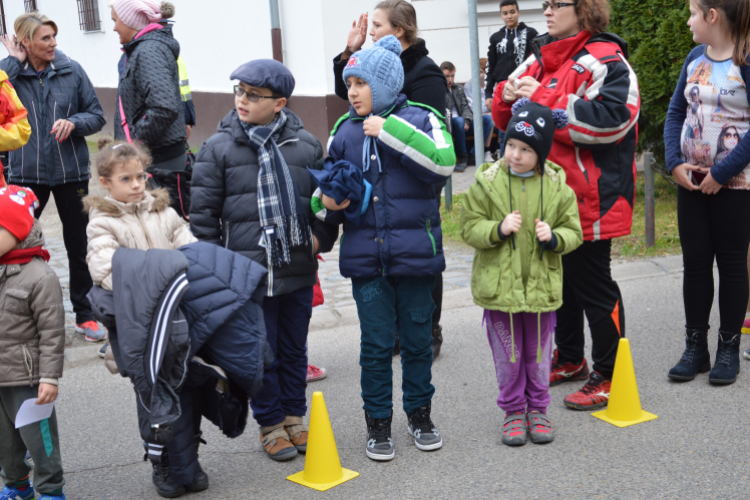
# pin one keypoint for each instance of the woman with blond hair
(62, 110)
(582, 69)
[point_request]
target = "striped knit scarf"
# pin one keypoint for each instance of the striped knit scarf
(282, 214)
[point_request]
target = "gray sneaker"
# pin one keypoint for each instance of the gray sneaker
(514, 429)
(379, 443)
(426, 436)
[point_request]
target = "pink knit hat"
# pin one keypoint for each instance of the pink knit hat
(137, 14)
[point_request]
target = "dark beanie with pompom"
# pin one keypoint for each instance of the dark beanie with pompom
(535, 124)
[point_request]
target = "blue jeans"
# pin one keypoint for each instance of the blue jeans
(285, 380)
(383, 303)
(459, 135)
(487, 125)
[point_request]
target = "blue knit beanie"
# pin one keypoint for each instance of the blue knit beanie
(380, 66)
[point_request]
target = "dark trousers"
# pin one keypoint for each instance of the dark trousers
(712, 226)
(285, 380)
(588, 288)
(383, 303)
(40, 439)
(69, 201)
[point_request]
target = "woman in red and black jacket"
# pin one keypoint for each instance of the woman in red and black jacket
(583, 70)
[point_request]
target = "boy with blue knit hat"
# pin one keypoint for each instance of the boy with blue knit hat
(251, 193)
(394, 253)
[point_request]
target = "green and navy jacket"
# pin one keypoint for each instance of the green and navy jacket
(399, 233)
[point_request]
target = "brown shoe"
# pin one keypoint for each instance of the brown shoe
(297, 432)
(275, 440)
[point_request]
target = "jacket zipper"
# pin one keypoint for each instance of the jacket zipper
(521, 232)
(226, 238)
(432, 239)
(145, 232)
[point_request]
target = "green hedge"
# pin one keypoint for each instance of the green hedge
(658, 41)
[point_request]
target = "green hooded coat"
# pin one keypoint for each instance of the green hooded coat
(524, 278)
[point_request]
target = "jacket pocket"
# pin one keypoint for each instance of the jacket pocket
(17, 301)
(432, 238)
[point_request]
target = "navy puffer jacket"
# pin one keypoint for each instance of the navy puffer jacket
(399, 234)
(63, 90)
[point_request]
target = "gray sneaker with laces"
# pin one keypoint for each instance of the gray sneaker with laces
(379, 443)
(426, 436)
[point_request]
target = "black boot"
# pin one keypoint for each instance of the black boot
(200, 481)
(695, 359)
(727, 365)
(461, 162)
(437, 340)
(163, 480)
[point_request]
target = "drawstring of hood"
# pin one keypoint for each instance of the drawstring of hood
(369, 145)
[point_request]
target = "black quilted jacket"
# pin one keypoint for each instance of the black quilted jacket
(224, 200)
(150, 93)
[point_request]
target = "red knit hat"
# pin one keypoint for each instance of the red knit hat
(17, 205)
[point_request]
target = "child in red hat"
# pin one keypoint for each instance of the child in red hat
(33, 319)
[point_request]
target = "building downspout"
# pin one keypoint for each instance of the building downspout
(278, 53)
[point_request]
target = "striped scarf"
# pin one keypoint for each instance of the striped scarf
(282, 214)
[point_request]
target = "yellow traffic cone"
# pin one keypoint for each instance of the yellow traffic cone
(624, 408)
(323, 468)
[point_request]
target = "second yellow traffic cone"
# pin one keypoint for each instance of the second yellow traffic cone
(323, 468)
(624, 407)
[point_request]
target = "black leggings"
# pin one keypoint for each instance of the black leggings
(714, 226)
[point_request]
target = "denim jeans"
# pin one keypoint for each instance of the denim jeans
(459, 135)
(487, 125)
(383, 303)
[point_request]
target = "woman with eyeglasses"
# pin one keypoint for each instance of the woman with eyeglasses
(149, 107)
(582, 69)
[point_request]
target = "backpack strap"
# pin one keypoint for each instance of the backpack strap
(124, 121)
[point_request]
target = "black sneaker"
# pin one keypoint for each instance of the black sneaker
(379, 442)
(200, 481)
(426, 436)
(103, 350)
(163, 480)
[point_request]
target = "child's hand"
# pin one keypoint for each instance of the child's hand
(680, 174)
(543, 231)
(709, 184)
(330, 203)
(47, 394)
(511, 223)
(373, 125)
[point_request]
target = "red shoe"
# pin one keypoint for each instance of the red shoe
(314, 373)
(567, 372)
(592, 396)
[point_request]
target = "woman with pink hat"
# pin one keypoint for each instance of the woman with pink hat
(149, 107)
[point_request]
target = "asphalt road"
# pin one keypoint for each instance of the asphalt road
(696, 448)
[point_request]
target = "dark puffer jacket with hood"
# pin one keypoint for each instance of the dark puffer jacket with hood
(63, 90)
(224, 192)
(150, 93)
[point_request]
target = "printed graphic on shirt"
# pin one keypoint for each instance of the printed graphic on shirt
(718, 116)
(519, 45)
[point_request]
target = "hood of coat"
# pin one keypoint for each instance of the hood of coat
(411, 56)
(163, 35)
(153, 201)
(553, 52)
(487, 176)
(61, 61)
(35, 237)
(231, 125)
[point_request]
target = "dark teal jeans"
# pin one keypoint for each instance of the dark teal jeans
(383, 303)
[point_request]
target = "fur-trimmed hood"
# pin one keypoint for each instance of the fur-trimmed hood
(35, 237)
(153, 201)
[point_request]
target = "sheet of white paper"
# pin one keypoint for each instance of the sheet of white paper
(31, 412)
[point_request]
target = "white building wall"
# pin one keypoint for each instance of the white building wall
(216, 36)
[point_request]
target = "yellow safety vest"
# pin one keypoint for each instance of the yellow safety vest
(184, 81)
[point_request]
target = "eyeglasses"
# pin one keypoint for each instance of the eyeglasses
(555, 5)
(252, 97)
(127, 179)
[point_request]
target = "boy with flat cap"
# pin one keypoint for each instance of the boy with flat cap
(251, 193)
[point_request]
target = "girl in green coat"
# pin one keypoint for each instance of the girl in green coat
(521, 217)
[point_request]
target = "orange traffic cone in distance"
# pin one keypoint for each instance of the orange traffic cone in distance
(624, 407)
(323, 468)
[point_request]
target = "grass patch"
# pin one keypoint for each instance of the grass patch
(631, 246)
